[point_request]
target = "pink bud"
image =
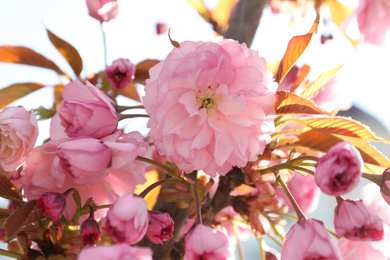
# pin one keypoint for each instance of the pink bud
(161, 28)
(356, 221)
(160, 227)
(205, 242)
(52, 204)
(90, 232)
(120, 73)
(339, 171)
(127, 219)
(103, 10)
(308, 239)
(115, 252)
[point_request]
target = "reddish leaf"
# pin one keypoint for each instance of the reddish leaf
(340, 126)
(289, 103)
(312, 89)
(174, 43)
(296, 46)
(26, 56)
(301, 76)
(131, 92)
(68, 52)
(16, 220)
(142, 70)
(8, 189)
(14, 92)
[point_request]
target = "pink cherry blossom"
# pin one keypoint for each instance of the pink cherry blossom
(355, 221)
(116, 252)
(308, 239)
(339, 171)
(161, 28)
(52, 204)
(85, 111)
(305, 192)
(373, 18)
(120, 73)
(160, 227)
(205, 242)
(89, 232)
(18, 134)
(127, 219)
(103, 10)
(359, 250)
(211, 106)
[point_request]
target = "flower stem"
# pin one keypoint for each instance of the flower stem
(198, 206)
(152, 186)
(147, 160)
(262, 253)
(274, 239)
(120, 109)
(297, 209)
(122, 116)
(239, 246)
(378, 179)
(104, 43)
(10, 254)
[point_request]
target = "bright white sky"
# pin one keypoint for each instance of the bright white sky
(132, 35)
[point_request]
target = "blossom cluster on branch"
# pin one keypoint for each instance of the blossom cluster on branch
(234, 149)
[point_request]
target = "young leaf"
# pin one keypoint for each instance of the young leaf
(313, 88)
(289, 103)
(131, 92)
(142, 70)
(8, 189)
(68, 52)
(14, 92)
(342, 126)
(26, 56)
(15, 221)
(296, 46)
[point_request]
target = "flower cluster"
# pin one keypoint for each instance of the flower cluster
(234, 147)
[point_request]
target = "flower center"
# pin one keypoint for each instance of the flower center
(206, 99)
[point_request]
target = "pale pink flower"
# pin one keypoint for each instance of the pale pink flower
(43, 172)
(355, 221)
(127, 219)
(308, 239)
(85, 111)
(359, 250)
(205, 242)
(103, 10)
(52, 204)
(18, 134)
(85, 160)
(304, 190)
(160, 227)
(116, 252)
(373, 18)
(120, 73)
(339, 170)
(211, 106)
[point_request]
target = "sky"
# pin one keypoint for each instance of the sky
(363, 78)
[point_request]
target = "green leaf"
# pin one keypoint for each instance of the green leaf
(26, 56)
(68, 52)
(16, 91)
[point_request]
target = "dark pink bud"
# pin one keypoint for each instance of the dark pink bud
(90, 232)
(120, 73)
(52, 204)
(161, 28)
(160, 227)
(355, 221)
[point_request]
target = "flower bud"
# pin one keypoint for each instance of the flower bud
(127, 219)
(52, 204)
(103, 10)
(120, 73)
(339, 171)
(308, 239)
(355, 221)
(90, 232)
(160, 227)
(161, 28)
(206, 242)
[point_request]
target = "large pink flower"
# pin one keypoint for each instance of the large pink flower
(116, 252)
(374, 20)
(18, 134)
(211, 106)
(103, 10)
(359, 250)
(85, 111)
